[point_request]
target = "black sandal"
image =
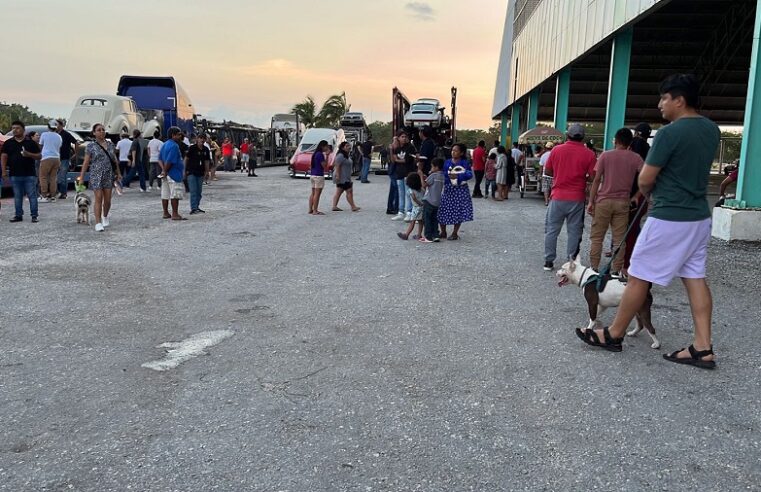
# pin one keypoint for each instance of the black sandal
(590, 338)
(695, 358)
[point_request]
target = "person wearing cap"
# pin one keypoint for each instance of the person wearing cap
(122, 152)
(68, 148)
(571, 166)
(50, 162)
(546, 180)
(136, 151)
(639, 143)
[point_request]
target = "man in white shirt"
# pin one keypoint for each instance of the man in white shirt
(154, 148)
(50, 162)
(519, 159)
(546, 180)
(122, 151)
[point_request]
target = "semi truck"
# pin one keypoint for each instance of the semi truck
(161, 100)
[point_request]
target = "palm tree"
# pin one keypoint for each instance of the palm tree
(332, 109)
(306, 110)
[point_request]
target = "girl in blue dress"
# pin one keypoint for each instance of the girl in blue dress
(456, 204)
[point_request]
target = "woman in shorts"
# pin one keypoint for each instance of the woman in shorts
(100, 159)
(342, 168)
(317, 179)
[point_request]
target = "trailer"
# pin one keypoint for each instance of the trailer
(424, 112)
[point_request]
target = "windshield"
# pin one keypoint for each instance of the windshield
(423, 108)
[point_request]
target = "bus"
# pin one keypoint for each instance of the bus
(161, 100)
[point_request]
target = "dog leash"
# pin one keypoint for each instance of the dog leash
(606, 270)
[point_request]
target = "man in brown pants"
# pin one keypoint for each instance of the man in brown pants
(609, 197)
(50, 141)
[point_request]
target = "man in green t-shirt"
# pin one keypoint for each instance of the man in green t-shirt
(674, 240)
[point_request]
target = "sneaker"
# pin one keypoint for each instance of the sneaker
(436, 240)
(399, 216)
(424, 240)
(408, 217)
(200, 211)
(16, 219)
(52, 198)
(548, 266)
(62, 196)
(35, 219)
(105, 221)
(150, 188)
(193, 212)
(142, 190)
(99, 227)
(44, 199)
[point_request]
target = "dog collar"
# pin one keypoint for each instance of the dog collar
(581, 278)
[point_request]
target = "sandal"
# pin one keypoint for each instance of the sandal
(336, 209)
(402, 236)
(590, 338)
(695, 358)
(454, 237)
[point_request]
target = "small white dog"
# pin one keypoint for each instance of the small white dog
(82, 201)
(597, 302)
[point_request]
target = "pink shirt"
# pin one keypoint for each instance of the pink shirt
(570, 164)
(618, 168)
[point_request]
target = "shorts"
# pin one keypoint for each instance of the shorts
(666, 249)
(546, 183)
(345, 186)
(318, 182)
(244, 158)
(171, 189)
(733, 175)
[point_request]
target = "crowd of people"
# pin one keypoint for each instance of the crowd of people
(37, 166)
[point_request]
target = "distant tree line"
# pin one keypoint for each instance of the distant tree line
(12, 112)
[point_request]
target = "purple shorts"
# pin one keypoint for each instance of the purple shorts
(666, 249)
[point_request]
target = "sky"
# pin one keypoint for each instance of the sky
(247, 60)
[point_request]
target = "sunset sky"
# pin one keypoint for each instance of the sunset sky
(246, 60)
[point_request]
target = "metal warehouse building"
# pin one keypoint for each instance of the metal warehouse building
(602, 61)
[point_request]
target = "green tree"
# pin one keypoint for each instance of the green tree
(13, 111)
(332, 109)
(381, 132)
(306, 110)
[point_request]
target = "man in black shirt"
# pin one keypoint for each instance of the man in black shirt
(367, 152)
(427, 152)
(68, 144)
(17, 162)
(197, 161)
(137, 154)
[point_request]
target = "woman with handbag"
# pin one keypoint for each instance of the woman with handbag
(100, 158)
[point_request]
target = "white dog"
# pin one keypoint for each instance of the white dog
(82, 201)
(597, 302)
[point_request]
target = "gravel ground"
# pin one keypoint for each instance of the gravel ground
(357, 362)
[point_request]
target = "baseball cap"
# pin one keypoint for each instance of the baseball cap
(643, 129)
(52, 124)
(549, 145)
(576, 130)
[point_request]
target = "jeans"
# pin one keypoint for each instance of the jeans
(559, 211)
(123, 165)
(405, 204)
(393, 196)
(195, 183)
(140, 170)
(155, 170)
(430, 221)
(24, 185)
(477, 187)
(63, 176)
(365, 169)
(229, 166)
(490, 183)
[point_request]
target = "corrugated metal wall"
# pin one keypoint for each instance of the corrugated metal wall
(559, 31)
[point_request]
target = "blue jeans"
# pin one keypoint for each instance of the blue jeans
(365, 169)
(559, 211)
(140, 170)
(405, 204)
(24, 185)
(63, 176)
(393, 196)
(195, 183)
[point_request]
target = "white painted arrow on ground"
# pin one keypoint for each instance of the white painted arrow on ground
(187, 349)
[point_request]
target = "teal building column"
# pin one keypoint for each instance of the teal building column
(515, 124)
(533, 108)
(749, 175)
(562, 99)
(503, 127)
(618, 85)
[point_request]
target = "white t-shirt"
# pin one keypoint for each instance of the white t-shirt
(154, 147)
(543, 160)
(51, 145)
(492, 151)
(517, 154)
(123, 147)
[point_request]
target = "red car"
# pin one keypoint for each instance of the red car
(301, 162)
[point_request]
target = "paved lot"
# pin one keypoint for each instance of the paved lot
(347, 359)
